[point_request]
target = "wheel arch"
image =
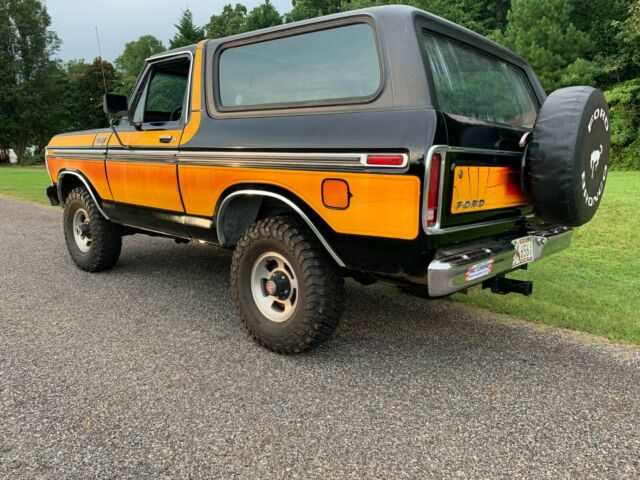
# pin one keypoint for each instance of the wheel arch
(70, 179)
(233, 216)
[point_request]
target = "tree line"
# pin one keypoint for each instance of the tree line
(568, 42)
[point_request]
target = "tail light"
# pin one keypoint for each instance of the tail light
(434, 189)
(386, 160)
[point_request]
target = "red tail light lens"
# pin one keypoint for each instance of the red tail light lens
(386, 160)
(434, 189)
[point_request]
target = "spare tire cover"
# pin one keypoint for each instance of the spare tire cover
(567, 158)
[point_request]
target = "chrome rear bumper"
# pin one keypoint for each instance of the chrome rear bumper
(450, 273)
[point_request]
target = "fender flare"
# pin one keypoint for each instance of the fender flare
(87, 185)
(283, 199)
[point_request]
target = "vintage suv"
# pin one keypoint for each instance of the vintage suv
(384, 143)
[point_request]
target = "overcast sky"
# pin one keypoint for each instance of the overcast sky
(120, 21)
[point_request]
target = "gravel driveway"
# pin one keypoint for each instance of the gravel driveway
(146, 372)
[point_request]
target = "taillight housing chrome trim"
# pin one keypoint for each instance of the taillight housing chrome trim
(433, 188)
(377, 160)
(433, 226)
(442, 150)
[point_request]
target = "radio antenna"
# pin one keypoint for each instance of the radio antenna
(104, 78)
(104, 82)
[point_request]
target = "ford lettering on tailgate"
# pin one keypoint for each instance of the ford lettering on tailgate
(478, 188)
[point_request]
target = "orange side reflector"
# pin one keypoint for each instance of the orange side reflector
(335, 193)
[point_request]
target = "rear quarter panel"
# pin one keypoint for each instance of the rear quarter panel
(381, 205)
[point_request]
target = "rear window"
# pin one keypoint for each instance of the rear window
(473, 84)
(322, 66)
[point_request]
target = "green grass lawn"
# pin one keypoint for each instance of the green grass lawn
(592, 287)
(25, 183)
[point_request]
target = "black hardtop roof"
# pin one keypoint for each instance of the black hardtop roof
(387, 12)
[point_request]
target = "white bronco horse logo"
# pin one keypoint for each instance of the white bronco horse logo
(595, 160)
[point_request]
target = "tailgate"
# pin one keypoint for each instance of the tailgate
(480, 186)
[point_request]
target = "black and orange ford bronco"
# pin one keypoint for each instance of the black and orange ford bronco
(384, 143)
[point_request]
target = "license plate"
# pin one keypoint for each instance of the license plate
(524, 250)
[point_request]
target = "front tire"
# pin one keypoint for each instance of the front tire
(94, 243)
(288, 291)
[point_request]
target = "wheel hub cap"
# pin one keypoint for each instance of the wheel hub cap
(82, 230)
(270, 287)
(274, 287)
(278, 286)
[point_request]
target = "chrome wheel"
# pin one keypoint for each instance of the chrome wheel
(82, 230)
(274, 287)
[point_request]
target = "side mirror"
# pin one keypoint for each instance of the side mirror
(115, 106)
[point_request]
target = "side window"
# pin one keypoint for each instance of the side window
(163, 97)
(335, 64)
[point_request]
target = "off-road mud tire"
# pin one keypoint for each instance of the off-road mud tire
(321, 287)
(106, 237)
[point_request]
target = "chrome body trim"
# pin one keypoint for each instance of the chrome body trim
(443, 149)
(94, 197)
(449, 274)
(76, 153)
(163, 56)
(46, 165)
(272, 160)
(287, 160)
(144, 156)
(265, 193)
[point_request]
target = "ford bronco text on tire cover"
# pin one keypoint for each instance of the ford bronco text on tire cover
(384, 143)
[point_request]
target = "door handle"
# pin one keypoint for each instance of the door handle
(166, 138)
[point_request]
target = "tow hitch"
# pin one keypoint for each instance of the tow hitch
(502, 285)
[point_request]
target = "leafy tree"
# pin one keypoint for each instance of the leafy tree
(482, 16)
(629, 40)
(550, 42)
(51, 115)
(83, 99)
(230, 22)
(602, 20)
(624, 105)
(188, 32)
(495, 14)
(131, 62)
(303, 9)
(263, 16)
(30, 81)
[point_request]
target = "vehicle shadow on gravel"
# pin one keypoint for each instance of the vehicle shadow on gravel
(378, 318)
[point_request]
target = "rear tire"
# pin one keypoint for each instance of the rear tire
(288, 291)
(94, 243)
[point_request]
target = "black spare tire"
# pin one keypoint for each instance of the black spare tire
(567, 158)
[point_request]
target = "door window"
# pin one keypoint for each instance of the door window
(163, 97)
